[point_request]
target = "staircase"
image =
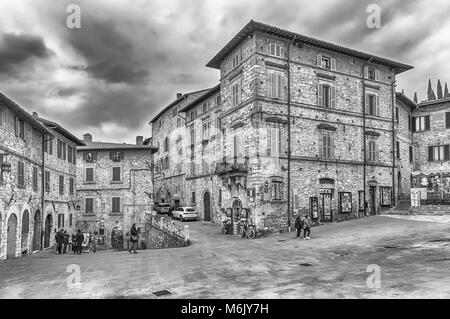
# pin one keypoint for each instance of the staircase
(165, 233)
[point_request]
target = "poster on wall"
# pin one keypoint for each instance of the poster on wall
(386, 196)
(345, 202)
(314, 207)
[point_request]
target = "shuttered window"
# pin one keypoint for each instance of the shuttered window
(372, 104)
(61, 184)
(447, 120)
(71, 186)
(411, 154)
(47, 181)
(276, 50)
(326, 146)
(89, 206)
(89, 174)
(21, 175)
(326, 62)
(327, 95)
(35, 178)
(274, 141)
(116, 176)
(115, 205)
(421, 123)
(397, 147)
(372, 151)
(439, 153)
(275, 85)
(236, 94)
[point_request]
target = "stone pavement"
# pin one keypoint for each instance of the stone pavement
(444, 219)
(412, 256)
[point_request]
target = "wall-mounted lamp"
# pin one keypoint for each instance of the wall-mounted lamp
(5, 166)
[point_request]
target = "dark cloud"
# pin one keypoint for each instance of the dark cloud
(17, 50)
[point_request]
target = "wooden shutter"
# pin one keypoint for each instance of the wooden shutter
(377, 75)
(280, 86)
(280, 141)
(446, 152)
(333, 64)
(16, 131)
(319, 60)
(411, 155)
(269, 141)
(320, 95)
(377, 105)
(274, 139)
(447, 120)
(331, 143)
(413, 124)
(333, 97)
(427, 122)
(430, 153)
(321, 143)
(366, 72)
(409, 122)
(367, 103)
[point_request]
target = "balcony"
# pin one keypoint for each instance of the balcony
(235, 169)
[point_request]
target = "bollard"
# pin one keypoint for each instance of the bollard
(186, 233)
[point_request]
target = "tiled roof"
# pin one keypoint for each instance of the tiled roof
(113, 146)
(179, 99)
(253, 26)
(433, 102)
(406, 100)
(58, 128)
(21, 113)
(201, 98)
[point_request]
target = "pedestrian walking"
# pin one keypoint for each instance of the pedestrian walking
(94, 241)
(79, 240)
(306, 227)
(299, 225)
(134, 238)
(65, 241)
(59, 238)
(74, 243)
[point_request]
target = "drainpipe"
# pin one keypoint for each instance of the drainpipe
(393, 144)
(44, 141)
(364, 130)
(289, 132)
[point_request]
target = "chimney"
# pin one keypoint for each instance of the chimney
(179, 95)
(139, 140)
(35, 114)
(87, 137)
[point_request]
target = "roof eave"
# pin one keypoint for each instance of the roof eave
(201, 98)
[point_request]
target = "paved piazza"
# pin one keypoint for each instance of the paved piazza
(413, 257)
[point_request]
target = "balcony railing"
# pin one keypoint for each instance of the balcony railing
(234, 168)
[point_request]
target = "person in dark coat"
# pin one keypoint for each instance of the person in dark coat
(298, 225)
(65, 241)
(59, 238)
(74, 243)
(134, 238)
(80, 239)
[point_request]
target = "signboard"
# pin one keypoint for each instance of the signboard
(415, 198)
(251, 193)
(314, 207)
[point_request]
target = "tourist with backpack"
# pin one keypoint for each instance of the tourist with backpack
(298, 225)
(306, 227)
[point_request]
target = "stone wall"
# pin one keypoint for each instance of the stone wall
(157, 238)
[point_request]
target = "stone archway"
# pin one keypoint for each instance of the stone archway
(207, 206)
(25, 231)
(11, 239)
(37, 231)
(48, 230)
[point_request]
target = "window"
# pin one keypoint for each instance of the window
(116, 156)
(167, 159)
(447, 120)
(60, 221)
(192, 117)
(89, 206)
(205, 108)
(411, 154)
(70, 220)
(326, 62)
(115, 205)
(277, 190)
(327, 95)
(89, 177)
(48, 146)
(206, 130)
(71, 186)
(372, 73)
(274, 141)
(275, 85)
(421, 123)
(235, 94)
(372, 104)
(409, 122)
(61, 184)
(21, 128)
(35, 178)
(235, 61)
(47, 181)
(439, 153)
(397, 147)
(116, 176)
(326, 146)
(174, 111)
(21, 175)
(372, 151)
(220, 197)
(276, 50)
(64, 153)
(166, 144)
(396, 114)
(218, 102)
(90, 156)
(59, 150)
(69, 153)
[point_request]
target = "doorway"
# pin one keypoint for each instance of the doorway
(399, 183)
(37, 231)
(372, 201)
(11, 237)
(325, 207)
(48, 230)
(207, 206)
(25, 231)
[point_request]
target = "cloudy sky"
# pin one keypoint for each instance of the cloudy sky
(130, 58)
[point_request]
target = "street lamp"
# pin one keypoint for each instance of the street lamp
(5, 166)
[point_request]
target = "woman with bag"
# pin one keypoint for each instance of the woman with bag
(134, 238)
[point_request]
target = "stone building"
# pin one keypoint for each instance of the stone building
(60, 197)
(114, 186)
(431, 150)
(290, 103)
(21, 137)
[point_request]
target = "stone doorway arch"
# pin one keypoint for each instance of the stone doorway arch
(207, 206)
(11, 240)
(37, 231)
(25, 231)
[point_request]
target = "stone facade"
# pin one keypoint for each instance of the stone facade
(114, 187)
(431, 172)
(244, 163)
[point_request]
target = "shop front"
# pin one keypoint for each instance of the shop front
(432, 188)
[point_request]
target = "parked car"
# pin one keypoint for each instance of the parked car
(185, 213)
(163, 208)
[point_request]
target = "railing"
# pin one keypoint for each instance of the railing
(224, 168)
(170, 226)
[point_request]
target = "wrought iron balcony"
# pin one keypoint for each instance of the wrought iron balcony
(232, 169)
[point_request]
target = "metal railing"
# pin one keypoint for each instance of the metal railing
(170, 226)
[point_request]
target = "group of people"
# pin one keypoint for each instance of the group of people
(74, 242)
(303, 222)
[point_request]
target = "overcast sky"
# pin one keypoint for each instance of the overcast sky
(130, 58)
